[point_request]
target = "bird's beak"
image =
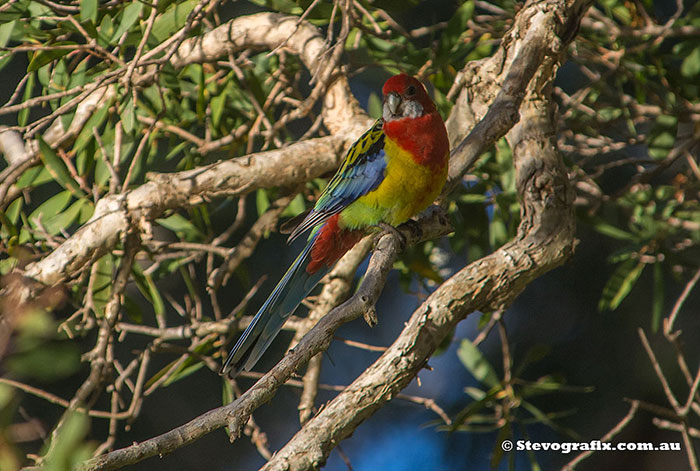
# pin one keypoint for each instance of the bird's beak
(393, 100)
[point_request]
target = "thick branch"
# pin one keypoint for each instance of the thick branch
(116, 214)
(493, 88)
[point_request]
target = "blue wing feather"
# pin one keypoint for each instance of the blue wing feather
(361, 172)
(294, 286)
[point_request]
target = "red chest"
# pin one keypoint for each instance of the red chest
(425, 138)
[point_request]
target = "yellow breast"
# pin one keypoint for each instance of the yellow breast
(407, 189)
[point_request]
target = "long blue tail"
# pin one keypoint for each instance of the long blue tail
(294, 286)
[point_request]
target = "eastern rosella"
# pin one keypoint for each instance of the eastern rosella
(393, 172)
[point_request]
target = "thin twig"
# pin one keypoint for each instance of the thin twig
(657, 368)
(619, 427)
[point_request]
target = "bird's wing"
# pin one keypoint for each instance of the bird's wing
(361, 172)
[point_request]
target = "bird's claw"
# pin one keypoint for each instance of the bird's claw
(415, 227)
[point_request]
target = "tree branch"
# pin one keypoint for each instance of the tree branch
(492, 89)
(132, 210)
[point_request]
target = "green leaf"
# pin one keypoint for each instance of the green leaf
(620, 284)
(184, 371)
(61, 78)
(7, 395)
(133, 310)
(95, 121)
(50, 208)
(484, 320)
(4, 59)
(85, 160)
(102, 173)
(262, 201)
(88, 10)
(504, 433)
(13, 209)
(130, 15)
(7, 265)
(148, 289)
(187, 367)
(477, 364)
(43, 57)
(457, 24)
(374, 106)
(472, 198)
(533, 355)
(9, 220)
(50, 362)
(548, 384)
(498, 232)
(201, 104)
(226, 392)
(69, 448)
(62, 221)
(546, 418)
(159, 374)
(57, 168)
(285, 6)
(180, 226)
(23, 115)
(296, 207)
(106, 30)
(484, 399)
(610, 230)
(217, 104)
(158, 305)
(128, 116)
(191, 289)
(34, 176)
(6, 32)
(173, 19)
(690, 67)
(622, 13)
(102, 283)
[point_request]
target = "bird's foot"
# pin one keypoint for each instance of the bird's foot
(415, 228)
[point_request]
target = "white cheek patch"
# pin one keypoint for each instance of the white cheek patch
(407, 109)
(411, 109)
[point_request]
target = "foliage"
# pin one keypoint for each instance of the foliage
(630, 129)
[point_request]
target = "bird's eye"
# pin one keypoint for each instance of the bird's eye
(411, 90)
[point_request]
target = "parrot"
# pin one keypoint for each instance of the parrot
(394, 171)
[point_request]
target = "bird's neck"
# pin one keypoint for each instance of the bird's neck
(425, 138)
